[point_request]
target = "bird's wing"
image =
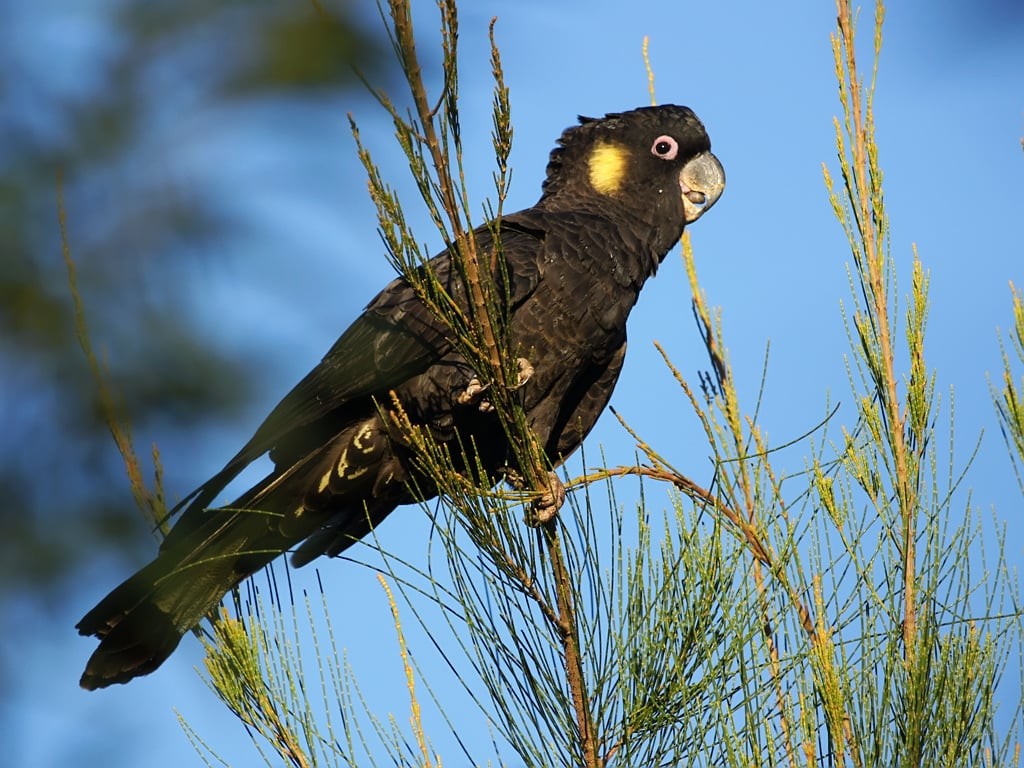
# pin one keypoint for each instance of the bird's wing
(395, 338)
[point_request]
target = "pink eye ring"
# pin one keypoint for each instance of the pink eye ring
(665, 147)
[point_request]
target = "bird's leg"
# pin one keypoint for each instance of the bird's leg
(473, 394)
(543, 508)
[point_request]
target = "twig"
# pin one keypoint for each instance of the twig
(860, 125)
(147, 502)
(465, 243)
(569, 636)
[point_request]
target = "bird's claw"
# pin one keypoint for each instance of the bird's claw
(524, 372)
(543, 508)
(474, 392)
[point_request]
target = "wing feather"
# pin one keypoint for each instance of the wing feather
(397, 337)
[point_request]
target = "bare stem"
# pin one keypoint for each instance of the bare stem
(569, 636)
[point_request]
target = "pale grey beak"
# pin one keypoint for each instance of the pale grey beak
(702, 181)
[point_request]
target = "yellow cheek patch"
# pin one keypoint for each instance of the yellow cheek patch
(607, 164)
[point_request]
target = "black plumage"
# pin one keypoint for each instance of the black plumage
(618, 193)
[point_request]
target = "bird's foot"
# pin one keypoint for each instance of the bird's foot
(475, 391)
(524, 372)
(473, 394)
(543, 508)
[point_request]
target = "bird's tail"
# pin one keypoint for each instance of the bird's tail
(331, 497)
(140, 623)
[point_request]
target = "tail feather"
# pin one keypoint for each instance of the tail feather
(141, 622)
(208, 552)
(136, 645)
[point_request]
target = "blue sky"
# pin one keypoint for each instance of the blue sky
(950, 114)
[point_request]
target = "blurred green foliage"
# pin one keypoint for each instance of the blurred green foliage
(91, 94)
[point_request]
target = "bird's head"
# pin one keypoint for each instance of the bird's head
(654, 163)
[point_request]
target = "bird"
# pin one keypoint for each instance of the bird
(617, 194)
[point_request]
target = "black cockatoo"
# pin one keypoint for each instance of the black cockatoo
(618, 192)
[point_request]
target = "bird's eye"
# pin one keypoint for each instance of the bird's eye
(665, 147)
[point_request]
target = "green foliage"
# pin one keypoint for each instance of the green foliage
(1009, 399)
(117, 122)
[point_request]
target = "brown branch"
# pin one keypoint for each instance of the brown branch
(691, 489)
(150, 503)
(465, 243)
(760, 552)
(570, 641)
(874, 259)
